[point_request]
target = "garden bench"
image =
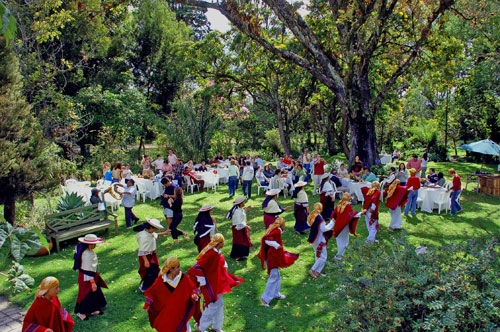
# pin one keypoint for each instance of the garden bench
(77, 222)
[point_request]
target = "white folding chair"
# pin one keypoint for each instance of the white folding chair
(70, 182)
(190, 185)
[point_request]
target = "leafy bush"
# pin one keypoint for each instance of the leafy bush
(69, 201)
(450, 288)
(378, 170)
(17, 242)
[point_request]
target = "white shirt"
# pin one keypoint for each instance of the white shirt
(302, 197)
(272, 207)
(128, 201)
(239, 218)
(89, 263)
(248, 173)
(158, 164)
(147, 242)
(172, 159)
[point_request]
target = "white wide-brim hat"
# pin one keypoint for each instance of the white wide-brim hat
(300, 184)
(326, 175)
(206, 207)
(155, 223)
(239, 200)
(90, 239)
(272, 192)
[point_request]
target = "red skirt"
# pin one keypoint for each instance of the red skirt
(269, 219)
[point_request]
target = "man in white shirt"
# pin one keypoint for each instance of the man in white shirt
(248, 173)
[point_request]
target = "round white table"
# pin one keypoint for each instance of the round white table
(429, 196)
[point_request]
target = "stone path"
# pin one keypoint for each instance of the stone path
(11, 317)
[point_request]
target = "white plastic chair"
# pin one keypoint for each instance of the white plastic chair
(335, 191)
(259, 186)
(190, 185)
(382, 184)
(142, 190)
(443, 200)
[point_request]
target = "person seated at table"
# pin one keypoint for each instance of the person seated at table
(335, 179)
(146, 166)
(167, 167)
(441, 180)
(195, 178)
(288, 160)
(432, 177)
(276, 181)
(392, 175)
(402, 174)
(342, 171)
(299, 173)
(219, 157)
(127, 172)
(213, 161)
(280, 164)
(203, 167)
(368, 175)
(357, 166)
(268, 171)
(261, 178)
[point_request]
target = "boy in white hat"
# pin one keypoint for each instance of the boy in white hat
(149, 267)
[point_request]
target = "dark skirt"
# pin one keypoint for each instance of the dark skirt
(241, 243)
(90, 301)
(300, 213)
(148, 274)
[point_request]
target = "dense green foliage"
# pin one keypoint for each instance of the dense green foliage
(454, 288)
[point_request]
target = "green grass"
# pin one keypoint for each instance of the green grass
(307, 305)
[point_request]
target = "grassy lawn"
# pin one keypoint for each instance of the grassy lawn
(307, 306)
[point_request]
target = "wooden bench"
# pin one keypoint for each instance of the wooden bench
(77, 222)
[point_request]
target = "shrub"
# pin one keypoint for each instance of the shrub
(69, 201)
(391, 288)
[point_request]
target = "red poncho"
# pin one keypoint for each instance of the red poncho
(346, 218)
(212, 266)
(398, 198)
(369, 199)
(275, 258)
(44, 314)
(170, 309)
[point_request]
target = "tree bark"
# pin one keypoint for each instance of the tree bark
(9, 209)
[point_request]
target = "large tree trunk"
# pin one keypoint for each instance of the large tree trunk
(363, 141)
(9, 209)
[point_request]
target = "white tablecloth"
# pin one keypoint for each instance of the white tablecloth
(155, 188)
(355, 188)
(429, 196)
(222, 174)
(211, 179)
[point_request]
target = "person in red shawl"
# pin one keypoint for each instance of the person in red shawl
(210, 273)
(318, 236)
(46, 314)
(90, 300)
(273, 255)
(346, 221)
(396, 197)
(172, 299)
(370, 207)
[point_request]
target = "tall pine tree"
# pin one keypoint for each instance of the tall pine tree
(26, 159)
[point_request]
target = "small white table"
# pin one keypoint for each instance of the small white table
(428, 197)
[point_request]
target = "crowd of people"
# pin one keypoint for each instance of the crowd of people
(172, 297)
